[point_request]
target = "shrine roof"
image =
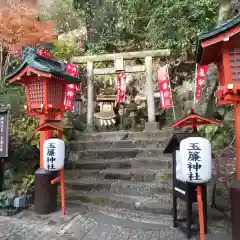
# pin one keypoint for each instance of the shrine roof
(50, 125)
(32, 59)
(213, 34)
(193, 119)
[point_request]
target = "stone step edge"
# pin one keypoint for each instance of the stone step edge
(163, 158)
(132, 215)
(145, 204)
(124, 132)
(151, 141)
(131, 171)
(91, 180)
(120, 149)
(162, 170)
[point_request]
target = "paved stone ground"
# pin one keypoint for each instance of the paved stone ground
(82, 224)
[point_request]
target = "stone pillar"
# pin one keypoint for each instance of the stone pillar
(90, 97)
(151, 125)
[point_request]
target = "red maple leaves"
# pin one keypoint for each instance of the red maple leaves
(19, 24)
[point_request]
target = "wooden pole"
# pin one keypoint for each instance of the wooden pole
(237, 133)
(150, 97)
(200, 212)
(43, 137)
(125, 55)
(90, 98)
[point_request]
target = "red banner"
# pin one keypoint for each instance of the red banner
(44, 53)
(164, 88)
(72, 70)
(200, 77)
(121, 87)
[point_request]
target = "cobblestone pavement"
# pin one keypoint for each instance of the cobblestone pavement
(93, 226)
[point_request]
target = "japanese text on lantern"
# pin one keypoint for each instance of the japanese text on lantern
(194, 161)
(51, 156)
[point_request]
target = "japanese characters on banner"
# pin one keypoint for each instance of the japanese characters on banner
(196, 160)
(164, 88)
(53, 154)
(4, 133)
(121, 87)
(72, 70)
(201, 72)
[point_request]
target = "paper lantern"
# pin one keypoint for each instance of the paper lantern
(53, 154)
(195, 160)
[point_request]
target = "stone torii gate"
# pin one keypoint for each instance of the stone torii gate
(118, 59)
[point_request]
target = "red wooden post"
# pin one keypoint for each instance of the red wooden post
(222, 47)
(237, 129)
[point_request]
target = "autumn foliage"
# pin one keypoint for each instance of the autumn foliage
(19, 24)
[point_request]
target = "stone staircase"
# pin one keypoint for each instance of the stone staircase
(120, 170)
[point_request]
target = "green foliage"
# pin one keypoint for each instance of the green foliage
(64, 50)
(4, 201)
(65, 16)
(22, 129)
(139, 24)
(220, 136)
(175, 24)
(23, 187)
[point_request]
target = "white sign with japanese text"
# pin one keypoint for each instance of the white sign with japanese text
(196, 160)
(53, 154)
(4, 132)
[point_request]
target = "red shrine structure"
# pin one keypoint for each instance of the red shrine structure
(45, 82)
(222, 47)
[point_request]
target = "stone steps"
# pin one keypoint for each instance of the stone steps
(160, 162)
(115, 136)
(160, 205)
(121, 170)
(77, 145)
(120, 186)
(81, 173)
(136, 175)
(113, 153)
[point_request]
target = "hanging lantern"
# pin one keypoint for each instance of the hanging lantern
(195, 160)
(53, 154)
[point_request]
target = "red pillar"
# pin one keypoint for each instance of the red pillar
(237, 132)
(44, 135)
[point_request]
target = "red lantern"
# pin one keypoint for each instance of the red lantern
(45, 92)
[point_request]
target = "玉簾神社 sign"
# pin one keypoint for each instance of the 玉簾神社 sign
(195, 160)
(53, 154)
(3, 133)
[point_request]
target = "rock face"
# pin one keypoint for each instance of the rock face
(120, 170)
